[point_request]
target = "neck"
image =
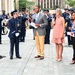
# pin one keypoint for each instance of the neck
(58, 16)
(74, 20)
(14, 17)
(37, 12)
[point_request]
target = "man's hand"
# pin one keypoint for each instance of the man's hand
(72, 33)
(38, 25)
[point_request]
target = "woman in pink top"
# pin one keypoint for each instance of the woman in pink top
(58, 34)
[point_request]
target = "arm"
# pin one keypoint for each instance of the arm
(70, 25)
(63, 23)
(50, 19)
(52, 23)
(11, 27)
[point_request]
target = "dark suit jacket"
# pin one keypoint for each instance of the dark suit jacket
(49, 19)
(0, 21)
(12, 25)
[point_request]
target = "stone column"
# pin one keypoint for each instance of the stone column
(17, 5)
(55, 3)
(12, 5)
(49, 3)
(46, 3)
(58, 3)
(0, 6)
(43, 4)
(52, 3)
(5, 2)
(8, 6)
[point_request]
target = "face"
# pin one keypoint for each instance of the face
(66, 11)
(57, 13)
(23, 12)
(15, 15)
(73, 16)
(36, 9)
(45, 13)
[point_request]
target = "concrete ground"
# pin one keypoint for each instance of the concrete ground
(28, 65)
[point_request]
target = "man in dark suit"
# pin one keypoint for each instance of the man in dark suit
(0, 33)
(48, 27)
(0, 29)
(23, 26)
(14, 27)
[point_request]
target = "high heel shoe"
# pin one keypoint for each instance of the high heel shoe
(59, 60)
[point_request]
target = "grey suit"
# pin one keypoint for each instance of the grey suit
(42, 20)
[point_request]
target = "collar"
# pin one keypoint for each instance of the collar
(37, 13)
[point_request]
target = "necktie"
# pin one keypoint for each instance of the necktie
(37, 18)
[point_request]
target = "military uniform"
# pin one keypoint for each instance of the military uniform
(67, 20)
(0, 29)
(23, 28)
(48, 28)
(14, 27)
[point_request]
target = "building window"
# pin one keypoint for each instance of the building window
(53, 3)
(44, 3)
(60, 3)
(57, 2)
(50, 3)
(47, 3)
(38, 2)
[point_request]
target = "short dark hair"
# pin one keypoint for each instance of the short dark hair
(37, 6)
(72, 12)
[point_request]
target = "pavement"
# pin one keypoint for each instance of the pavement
(28, 65)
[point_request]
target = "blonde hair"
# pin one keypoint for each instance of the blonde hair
(59, 10)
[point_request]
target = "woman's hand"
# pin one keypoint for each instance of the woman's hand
(53, 24)
(69, 28)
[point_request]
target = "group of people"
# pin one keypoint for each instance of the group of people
(60, 23)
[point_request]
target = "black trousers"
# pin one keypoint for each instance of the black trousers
(47, 36)
(73, 42)
(69, 40)
(14, 42)
(22, 34)
(0, 35)
(3, 29)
